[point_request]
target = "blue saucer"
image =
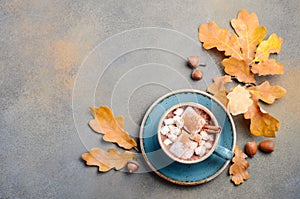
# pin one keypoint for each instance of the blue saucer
(161, 164)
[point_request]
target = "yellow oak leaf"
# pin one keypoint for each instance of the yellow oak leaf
(267, 93)
(218, 88)
(107, 160)
(261, 123)
(239, 100)
(249, 33)
(238, 169)
(268, 67)
(112, 128)
(213, 36)
(239, 69)
(265, 48)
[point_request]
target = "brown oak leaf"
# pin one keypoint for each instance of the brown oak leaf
(239, 100)
(238, 169)
(112, 128)
(107, 160)
(267, 93)
(218, 88)
(261, 123)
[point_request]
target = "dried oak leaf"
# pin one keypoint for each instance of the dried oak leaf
(218, 88)
(248, 53)
(250, 34)
(95, 126)
(261, 64)
(212, 36)
(239, 100)
(268, 67)
(219, 84)
(238, 169)
(267, 93)
(239, 69)
(261, 123)
(107, 160)
(265, 48)
(112, 128)
(222, 97)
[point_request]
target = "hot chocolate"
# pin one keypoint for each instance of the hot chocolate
(188, 132)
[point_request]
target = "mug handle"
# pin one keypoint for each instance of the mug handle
(223, 152)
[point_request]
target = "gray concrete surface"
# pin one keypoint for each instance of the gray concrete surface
(44, 43)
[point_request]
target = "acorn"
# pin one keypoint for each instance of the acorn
(197, 74)
(132, 166)
(251, 148)
(193, 61)
(267, 146)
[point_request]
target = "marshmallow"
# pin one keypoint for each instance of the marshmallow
(172, 137)
(178, 121)
(174, 130)
(177, 149)
(204, 135)
(193, 122)
(164, 130)
(178, 111)
(202, 143)
(188, 154)
(167, 142)
(208, 145)
(200, 150)
(169, 121)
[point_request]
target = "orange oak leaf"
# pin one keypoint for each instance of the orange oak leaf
(95, 126)
(218, 88)
(265, 48)
(261, 123)
(107, 160)
(222, 97)
(219, 84)
(120, 121)
(268, 67)
(112, 128)
(249, 33)
(267, 93)
(213, 36)
(239, 100)
(239, 69)
(238, 169)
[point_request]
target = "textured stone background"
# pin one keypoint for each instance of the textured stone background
(42, 45)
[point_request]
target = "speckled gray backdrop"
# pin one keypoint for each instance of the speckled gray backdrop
(44, 43)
